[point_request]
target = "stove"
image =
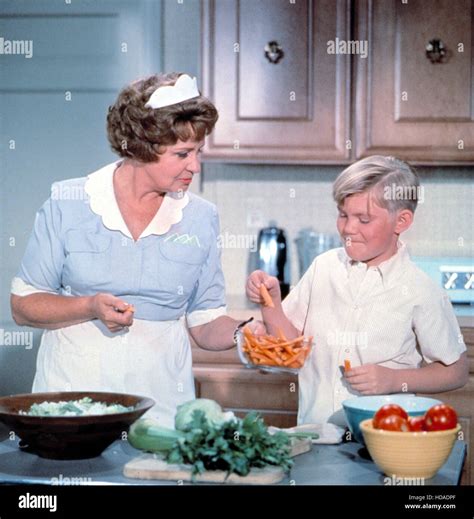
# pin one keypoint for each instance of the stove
(455, 275)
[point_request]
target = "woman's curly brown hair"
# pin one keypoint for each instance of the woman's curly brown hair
(141, 133)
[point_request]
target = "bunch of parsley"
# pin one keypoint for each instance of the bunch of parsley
(235, 446)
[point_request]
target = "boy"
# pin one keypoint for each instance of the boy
(367, 302)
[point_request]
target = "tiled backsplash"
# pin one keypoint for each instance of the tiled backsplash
(248, 197)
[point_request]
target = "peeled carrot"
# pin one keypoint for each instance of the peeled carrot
(347, 365)
(293, 341)
(292, 359)
(267, 300)
(274, 351)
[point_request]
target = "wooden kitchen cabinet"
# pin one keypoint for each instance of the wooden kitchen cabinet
(406, 105)
(296, 110)
(299, 109)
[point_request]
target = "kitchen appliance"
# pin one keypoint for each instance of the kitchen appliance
(272, 255)
(311, 243)
(455, 275)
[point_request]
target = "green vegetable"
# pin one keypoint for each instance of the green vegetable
(149, 435)
(302, 434)
(83, 407)
(211, 410)
(233, 446)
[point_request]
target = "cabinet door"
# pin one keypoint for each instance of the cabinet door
(294, 110)
(406, 105)
(274, 396)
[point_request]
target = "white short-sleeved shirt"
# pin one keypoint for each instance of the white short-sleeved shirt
(80, 246)
(371, 315)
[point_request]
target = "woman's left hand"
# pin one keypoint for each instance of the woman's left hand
(371, 379)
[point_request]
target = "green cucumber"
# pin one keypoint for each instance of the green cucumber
(148, 435)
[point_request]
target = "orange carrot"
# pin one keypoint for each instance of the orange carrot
(347, 365)
(294, 341)
(267, 300)
(273, 351)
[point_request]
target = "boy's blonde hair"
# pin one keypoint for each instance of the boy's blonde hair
(395, 184)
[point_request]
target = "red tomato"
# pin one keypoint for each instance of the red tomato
(416, 423)
(393, 422)
(388, 410)
(440, 417)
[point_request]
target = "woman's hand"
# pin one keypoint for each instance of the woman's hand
(371, 379)
(257, 328)
(257, 278)
(112, 311)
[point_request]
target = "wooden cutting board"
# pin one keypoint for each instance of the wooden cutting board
(300, 446)
(148, 466)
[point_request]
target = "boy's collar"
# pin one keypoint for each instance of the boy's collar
(387, 268)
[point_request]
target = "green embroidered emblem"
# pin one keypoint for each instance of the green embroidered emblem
(184, 239)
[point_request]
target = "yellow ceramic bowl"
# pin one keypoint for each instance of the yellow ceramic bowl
(409, 454)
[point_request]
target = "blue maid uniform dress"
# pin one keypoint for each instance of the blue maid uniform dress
(172, 275)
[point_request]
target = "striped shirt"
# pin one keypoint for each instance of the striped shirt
(392, 314)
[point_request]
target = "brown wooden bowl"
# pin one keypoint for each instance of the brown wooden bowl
(69, 437)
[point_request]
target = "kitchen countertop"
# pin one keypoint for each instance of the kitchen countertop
(343, 464)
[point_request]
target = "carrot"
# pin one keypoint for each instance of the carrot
(347, 365)
(263, 358)
(294, 341)
(294, 358)
(273, 351)
(267, 300)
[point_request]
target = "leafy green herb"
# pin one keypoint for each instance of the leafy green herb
(235, 446)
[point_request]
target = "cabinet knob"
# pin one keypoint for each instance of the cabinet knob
(436, 51)
(273, 52)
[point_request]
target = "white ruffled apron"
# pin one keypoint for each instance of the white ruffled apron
(151, 358)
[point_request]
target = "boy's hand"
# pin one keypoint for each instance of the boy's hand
(371, 379)
(257, 278)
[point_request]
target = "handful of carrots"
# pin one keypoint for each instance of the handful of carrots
(267, 350)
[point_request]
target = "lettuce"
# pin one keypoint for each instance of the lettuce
(211, 410)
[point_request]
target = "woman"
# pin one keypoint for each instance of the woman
(119, 261)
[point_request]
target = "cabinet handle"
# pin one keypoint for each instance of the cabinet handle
(273, 52)
(436, 51)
